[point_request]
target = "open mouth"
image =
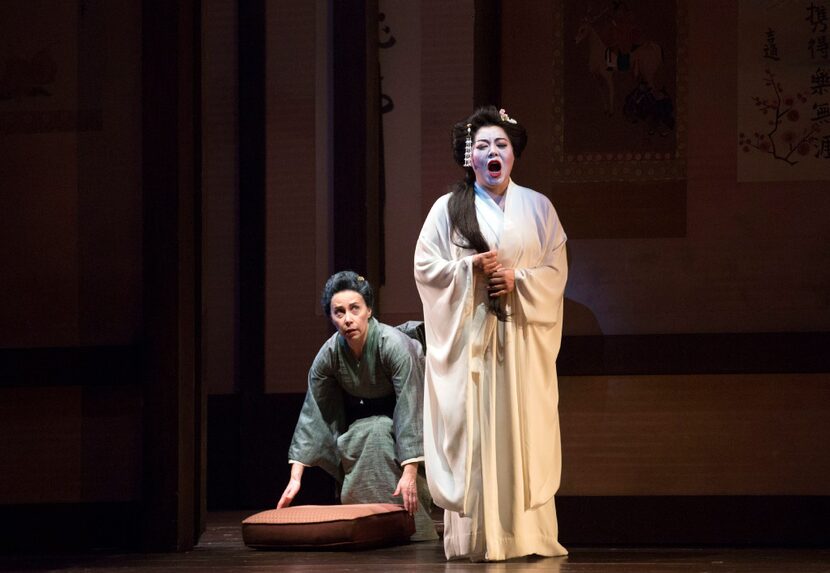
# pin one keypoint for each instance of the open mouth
(494, 168)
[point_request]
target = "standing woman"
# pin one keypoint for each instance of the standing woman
(490, 266)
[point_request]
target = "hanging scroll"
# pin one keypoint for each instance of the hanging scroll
(783, 90)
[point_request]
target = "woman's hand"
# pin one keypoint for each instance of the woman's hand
(408, 488)
(293, 487)
(486, 262)
(502, 281)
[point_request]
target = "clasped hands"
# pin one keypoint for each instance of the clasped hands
(500, 280)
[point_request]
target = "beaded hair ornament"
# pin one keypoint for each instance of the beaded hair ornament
(468, 141)
(468, 148)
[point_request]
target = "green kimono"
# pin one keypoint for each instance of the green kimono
(362, 419)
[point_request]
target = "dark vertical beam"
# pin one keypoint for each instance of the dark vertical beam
(200, 401)
(251, 195)
(349, 133)
(189, 388)
(372, 166)
(169, 180)
(487, 53)
(160, 205)
(251, 383)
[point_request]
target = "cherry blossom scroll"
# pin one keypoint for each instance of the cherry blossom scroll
(783, 90)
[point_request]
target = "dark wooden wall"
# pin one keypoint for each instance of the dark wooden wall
(99, 382)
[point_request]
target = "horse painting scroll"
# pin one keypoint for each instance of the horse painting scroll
(617, 74)
(606, 60)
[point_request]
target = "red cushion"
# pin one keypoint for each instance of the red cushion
(354, 526)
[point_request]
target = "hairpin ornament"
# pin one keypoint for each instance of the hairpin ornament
(504, 117)
(468, 147)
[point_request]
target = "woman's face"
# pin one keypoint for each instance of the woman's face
(492, 158)
(350, 315)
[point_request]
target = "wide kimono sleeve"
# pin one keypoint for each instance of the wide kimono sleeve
(445, 279)
(540, 288)
(538, 298)
(322, 418)
(444, 275)
(403, 362)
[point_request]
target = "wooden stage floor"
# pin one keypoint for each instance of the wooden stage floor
(221, 549)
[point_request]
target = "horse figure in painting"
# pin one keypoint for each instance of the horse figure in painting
(604, 61)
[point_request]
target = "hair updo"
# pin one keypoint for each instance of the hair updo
(483, 117)
(346, 280)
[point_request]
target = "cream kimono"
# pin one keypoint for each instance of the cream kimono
(491, 424)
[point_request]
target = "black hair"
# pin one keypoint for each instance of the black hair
(461, 207)
(482, 117)
(346, 280)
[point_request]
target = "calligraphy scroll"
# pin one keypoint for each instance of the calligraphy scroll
(783, 90)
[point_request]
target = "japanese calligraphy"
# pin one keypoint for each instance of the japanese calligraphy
(770, 48)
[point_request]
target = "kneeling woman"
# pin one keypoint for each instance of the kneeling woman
(362, 417)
